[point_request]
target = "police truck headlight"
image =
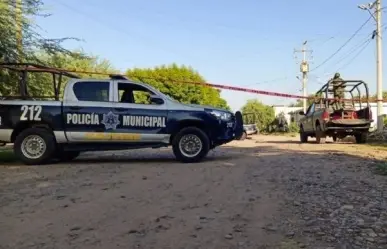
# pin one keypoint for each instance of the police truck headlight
(225, 116)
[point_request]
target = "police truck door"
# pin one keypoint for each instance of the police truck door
(140, 120)
(87, 111)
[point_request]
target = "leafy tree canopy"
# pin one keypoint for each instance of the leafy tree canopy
(254, 111)
(169, 79)
(40, 84)
(16, 27)
(21, 42)
(37, 49)
(384, 94)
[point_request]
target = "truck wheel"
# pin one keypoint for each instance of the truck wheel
(303, 136)
(35, 146)
(361, 138)
(334, 139)
(190, 145)
(66, 156)
(320, 135)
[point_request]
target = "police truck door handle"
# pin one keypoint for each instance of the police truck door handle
(121, 109)
(75, 107)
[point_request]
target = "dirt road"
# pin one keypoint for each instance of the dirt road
(268, 192)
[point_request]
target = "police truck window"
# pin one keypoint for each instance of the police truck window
(92, 91)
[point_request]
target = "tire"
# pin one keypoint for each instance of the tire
(320, 135)
(361, 138)
(334, 139)
(66, 156)
(190, 133)
(41, 137)
(303, 136)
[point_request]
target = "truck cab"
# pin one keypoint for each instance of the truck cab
(113, 114)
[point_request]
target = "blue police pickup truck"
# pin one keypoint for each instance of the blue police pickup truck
(98, 115)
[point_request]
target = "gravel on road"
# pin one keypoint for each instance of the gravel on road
(264, 192)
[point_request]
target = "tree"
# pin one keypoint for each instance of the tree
(170, 81)
(375, 96)
(38, 49)
(40, 84)
(256, 112)
(79, 61)
(32, 41)
(25, 45)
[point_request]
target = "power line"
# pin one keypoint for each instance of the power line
(267, 81)
(95, 19)
(353, 49)
(356, 55)
(342, 46)
(363, 45)
(349, 53)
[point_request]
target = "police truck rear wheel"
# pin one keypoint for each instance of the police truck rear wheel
(35, 146)
(190, 145)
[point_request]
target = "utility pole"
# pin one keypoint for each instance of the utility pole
(379, 70)
(377, 15)
(304, 69)
(19, 28)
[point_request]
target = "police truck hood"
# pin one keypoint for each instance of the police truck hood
(207, 107)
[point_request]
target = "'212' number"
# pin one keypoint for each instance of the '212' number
(31, 112)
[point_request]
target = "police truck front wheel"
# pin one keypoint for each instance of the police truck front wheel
(35, 146)
(190, 145)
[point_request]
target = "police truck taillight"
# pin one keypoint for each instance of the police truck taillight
(325, 116)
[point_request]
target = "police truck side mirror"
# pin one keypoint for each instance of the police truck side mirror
(156, 100)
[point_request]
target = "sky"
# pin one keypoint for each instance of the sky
(245, 43)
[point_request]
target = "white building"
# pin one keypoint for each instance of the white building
(291, 113)
(374, 111)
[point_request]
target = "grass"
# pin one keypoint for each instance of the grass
(7, 156)
(289, 244)
(381, 169)
(286, 134)
(377, 145)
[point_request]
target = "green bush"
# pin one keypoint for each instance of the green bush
(255, 112)
(381, 169)
(293, 127)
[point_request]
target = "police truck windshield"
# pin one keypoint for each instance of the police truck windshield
(161, 94)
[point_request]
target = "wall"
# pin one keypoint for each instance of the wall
(374, 110)
(287, 110)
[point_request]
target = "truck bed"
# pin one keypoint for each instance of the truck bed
(350, 122)
(349, 118)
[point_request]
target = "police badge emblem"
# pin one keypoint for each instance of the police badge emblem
(110, 121)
